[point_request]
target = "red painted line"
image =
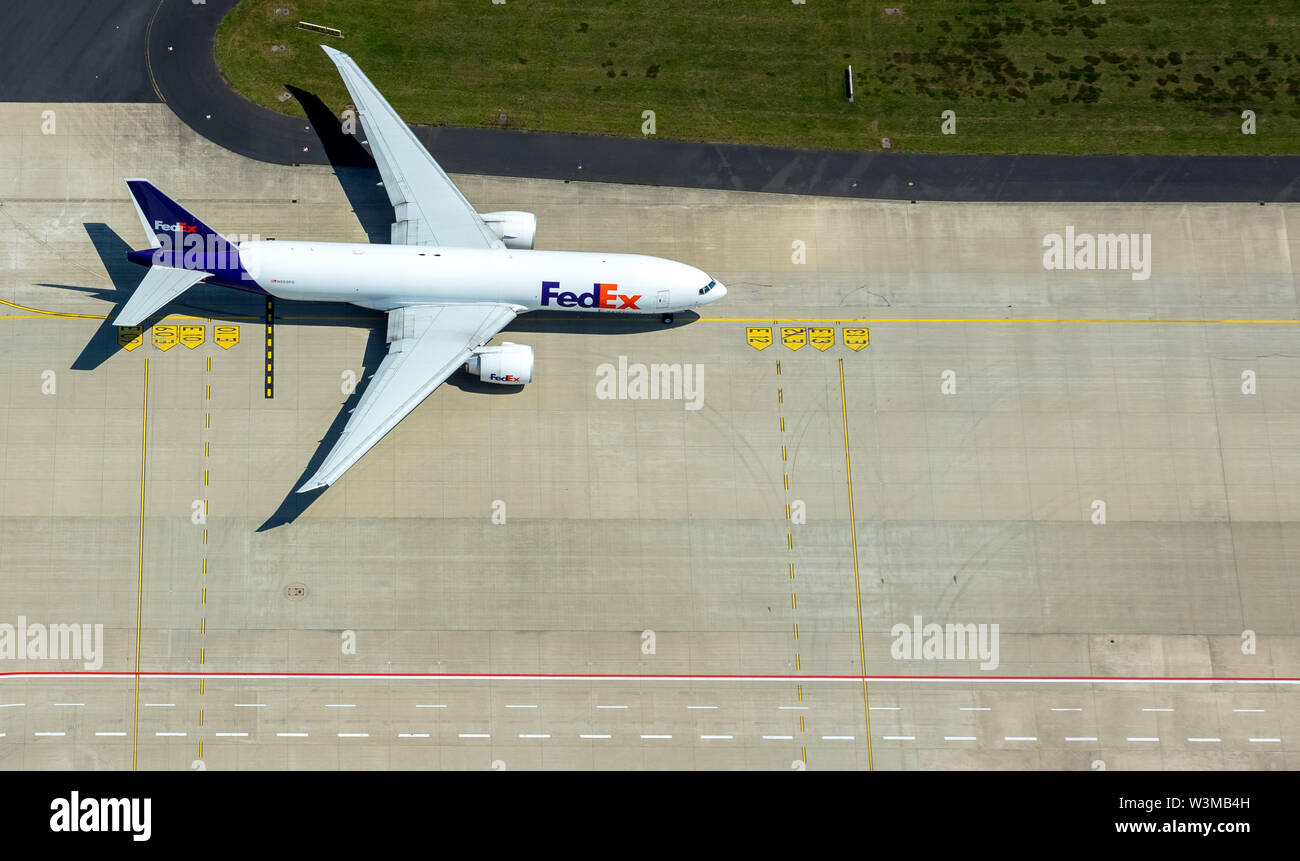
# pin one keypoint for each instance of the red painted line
(650, 677)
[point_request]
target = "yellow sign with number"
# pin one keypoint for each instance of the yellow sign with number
(165, 337)
(856, 339)
(193, 336)
(822, 338)
(129, 337)
(225, 336)
(758, 337)
(794, 337)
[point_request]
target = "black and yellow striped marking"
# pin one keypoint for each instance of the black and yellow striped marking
(270, 342)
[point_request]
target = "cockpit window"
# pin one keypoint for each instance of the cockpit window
(707, 287)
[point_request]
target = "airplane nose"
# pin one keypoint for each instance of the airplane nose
(718, 292)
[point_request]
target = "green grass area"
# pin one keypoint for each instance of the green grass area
(1052, 76)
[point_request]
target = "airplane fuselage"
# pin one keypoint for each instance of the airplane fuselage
(384, 277)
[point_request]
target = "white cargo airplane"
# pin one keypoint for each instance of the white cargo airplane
(450, 280)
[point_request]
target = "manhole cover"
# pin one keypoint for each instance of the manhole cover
(295, 591)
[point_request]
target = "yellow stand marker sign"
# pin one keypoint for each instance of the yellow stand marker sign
(165, 337)
(856, 339)
(225, 336)
(193, 336)
(794, 337)
(129, 337)
(822, 339)
(758, 337)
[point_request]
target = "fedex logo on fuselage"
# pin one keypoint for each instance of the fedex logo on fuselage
(178, 227)
(601, 296)
(504, 378)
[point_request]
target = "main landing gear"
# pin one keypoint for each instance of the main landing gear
(668, 319)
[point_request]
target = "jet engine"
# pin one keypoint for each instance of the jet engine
(516, 229)
(508, 364)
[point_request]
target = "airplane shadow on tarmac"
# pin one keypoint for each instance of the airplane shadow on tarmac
(294, 504)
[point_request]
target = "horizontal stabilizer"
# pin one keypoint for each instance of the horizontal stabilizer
(161, 284)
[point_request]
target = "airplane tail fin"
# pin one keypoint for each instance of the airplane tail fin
(165, 221)
(184, 251)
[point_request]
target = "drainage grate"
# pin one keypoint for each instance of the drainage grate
(295, 591)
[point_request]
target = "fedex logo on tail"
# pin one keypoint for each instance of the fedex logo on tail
(178, 227)
(601, 296)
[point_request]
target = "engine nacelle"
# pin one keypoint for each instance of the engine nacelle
(516, 229)
(508, 364)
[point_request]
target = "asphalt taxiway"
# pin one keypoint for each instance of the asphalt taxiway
(130, 51)
(647, 548)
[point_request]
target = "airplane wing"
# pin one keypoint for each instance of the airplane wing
(426, 344)
(161, 284)
(430, 209)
